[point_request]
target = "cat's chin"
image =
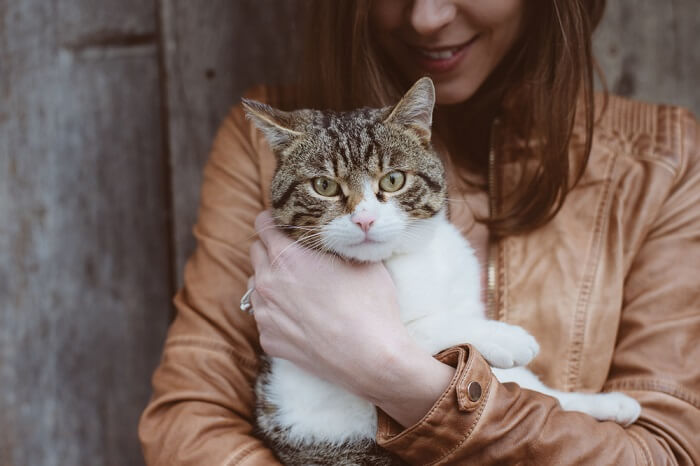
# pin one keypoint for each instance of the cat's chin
(366, 252)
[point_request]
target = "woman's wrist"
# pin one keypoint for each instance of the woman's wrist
(409, 383)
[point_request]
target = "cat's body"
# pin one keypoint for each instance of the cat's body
(309, 421)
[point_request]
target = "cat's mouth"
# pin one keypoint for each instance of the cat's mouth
(367, 240)
(367, 250)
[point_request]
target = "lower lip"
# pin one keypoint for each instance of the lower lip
(436, 66)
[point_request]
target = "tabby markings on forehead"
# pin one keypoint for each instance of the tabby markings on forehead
(369, 151)
(319, 166)
(363, 116)
(341, 146)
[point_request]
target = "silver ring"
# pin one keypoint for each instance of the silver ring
(245, 302)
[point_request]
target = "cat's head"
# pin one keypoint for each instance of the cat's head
(363, 184)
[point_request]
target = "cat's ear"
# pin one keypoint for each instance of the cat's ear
(415, 109)
(276, 125)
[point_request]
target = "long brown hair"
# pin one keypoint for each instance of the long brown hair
(537, 92)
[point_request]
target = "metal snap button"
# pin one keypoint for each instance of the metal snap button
(474, 391)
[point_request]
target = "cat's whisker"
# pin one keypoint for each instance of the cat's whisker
(409, 235)
(314, 247)
(298, 242)
(316, 253)
(272, 227)
(296, 227)
(320, 255)
(311, 241)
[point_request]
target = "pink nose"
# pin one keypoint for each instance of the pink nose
(363, 219)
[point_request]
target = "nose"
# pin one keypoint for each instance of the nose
(429, 16)
(363, 219)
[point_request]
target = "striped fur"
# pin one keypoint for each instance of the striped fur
(350, 148)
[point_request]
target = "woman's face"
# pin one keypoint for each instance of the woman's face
(458, 43)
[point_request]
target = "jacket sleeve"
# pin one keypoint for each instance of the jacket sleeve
(201, 409)
(656, 360)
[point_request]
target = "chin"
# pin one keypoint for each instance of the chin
(454, 91)
(367, 252)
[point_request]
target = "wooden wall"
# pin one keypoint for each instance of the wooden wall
(107, 111)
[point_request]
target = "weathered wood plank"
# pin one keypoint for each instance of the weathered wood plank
(84, 289)
(648, 50)
(215, 50)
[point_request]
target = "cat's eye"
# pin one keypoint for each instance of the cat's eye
(392, 182)
(326, 187)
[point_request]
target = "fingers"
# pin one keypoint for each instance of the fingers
(259, 257)
(256, 302)
(263, 221)
(275, 241)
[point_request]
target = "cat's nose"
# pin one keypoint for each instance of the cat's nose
(363, 219)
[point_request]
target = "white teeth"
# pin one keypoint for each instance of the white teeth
(439, 55)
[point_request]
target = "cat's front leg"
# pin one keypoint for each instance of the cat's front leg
(502, 345)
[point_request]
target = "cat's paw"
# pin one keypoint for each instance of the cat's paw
(514, 347)
(613, 406)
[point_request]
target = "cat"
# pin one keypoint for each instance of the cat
(370, 186)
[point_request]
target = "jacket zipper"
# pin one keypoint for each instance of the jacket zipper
(491, 271)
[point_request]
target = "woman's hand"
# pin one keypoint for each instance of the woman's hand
(340, 321)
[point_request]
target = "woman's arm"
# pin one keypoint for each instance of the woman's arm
(202, 404)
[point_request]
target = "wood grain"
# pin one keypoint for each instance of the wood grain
(84, 290)
(648, 50)
(215, 50)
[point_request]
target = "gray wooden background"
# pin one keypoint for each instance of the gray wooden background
(107, 111)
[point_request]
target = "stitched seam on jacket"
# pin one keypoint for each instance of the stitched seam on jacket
(240, 455)
(656, 385)
(210, 345)
(581, 311)
(642, 445)
(468, 433)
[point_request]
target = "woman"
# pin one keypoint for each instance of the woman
(587, 223)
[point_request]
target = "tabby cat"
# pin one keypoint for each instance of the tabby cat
(370, 186)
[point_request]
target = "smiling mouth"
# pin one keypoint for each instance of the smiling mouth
(445, 52)
(440, 59)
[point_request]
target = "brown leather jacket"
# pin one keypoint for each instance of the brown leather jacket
(610, 288)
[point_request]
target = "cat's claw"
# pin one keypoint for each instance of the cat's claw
(613, 406)
(513, 348)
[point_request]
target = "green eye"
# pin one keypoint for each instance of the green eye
(326, 187)
(392, 182)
